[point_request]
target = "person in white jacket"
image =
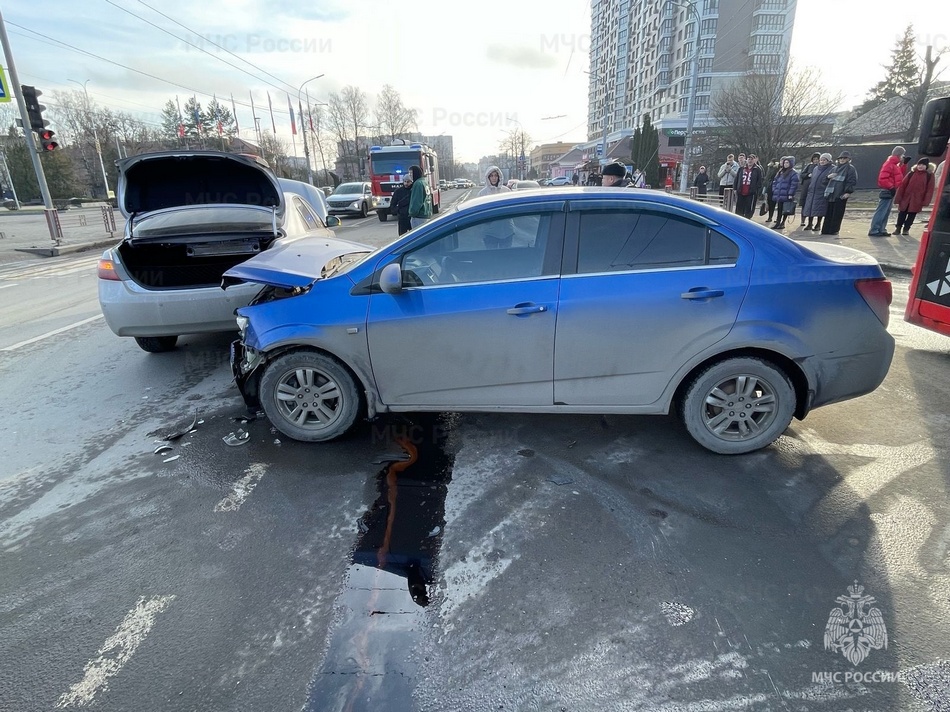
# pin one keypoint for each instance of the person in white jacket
(493, 184)
(727, 173)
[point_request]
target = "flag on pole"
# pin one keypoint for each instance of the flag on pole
(181, 121)
(237, 126)
(293, 124)
(273, 124)
(217, 114)
(300, 109)
(197, 114)
(253, 113)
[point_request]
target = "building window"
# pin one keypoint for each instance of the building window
(766, 43)
(705, 65)
(704, 84)
(684, 105)
(769, 23)
(702, 103)
(770, 5)
(710, 6)
(707, 46)
(709, 26)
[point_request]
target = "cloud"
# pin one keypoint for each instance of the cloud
(522, 57)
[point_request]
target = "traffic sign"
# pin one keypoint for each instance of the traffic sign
(4, 87)
(600, 150)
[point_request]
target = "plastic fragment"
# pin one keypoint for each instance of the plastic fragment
(170, 459)
(560, 480)
(241, 437)
(180, 433)
(162, 449)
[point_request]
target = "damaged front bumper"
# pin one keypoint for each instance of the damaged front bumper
(245, 367)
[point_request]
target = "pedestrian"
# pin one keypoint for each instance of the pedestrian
(575, 179)
(639, 179)
(805, 178)
(420, 198)
(700, 181)
(816, 205)
(888, 180)
(784, 188)
(770, 172)
(914, 194)
(841, 181)
(399, 204)
(747, 186)
(727, 174)
(493, 184)
(614, 175)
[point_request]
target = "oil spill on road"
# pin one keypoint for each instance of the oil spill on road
(374, 650)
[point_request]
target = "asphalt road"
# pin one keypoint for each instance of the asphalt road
(451, 562)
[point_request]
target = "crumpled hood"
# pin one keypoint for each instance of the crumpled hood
(172, 179)
(291, 263)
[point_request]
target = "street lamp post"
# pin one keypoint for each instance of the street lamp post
(95, 136)
(691, 112)
(306, 149)
(602, 78)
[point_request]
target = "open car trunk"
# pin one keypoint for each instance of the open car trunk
(160, 265)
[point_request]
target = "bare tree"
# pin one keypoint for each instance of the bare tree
(515, 144)
(393, 118)
(348, 113)
(769, 114)
(918, 96)
(322, 138)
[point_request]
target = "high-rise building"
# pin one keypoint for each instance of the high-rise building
(641, 53)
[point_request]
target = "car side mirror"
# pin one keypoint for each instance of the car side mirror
(333, 221)
(390, 279)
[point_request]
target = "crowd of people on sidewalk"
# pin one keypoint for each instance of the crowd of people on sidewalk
(820, 191)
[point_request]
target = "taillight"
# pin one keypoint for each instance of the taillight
(878, 294)
(106, 270)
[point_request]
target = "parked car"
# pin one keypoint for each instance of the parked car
(463, 183)
(315, 197)
(525, 185)
(560, 180)
(583, 300)
(443, 184)
(352, 199)
(191, 216)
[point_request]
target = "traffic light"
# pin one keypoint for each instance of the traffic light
(46, 140)
(34, 108)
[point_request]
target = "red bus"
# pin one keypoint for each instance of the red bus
(928, 304)
(388, 165)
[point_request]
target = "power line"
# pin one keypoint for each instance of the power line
(192, 44)
(171, 19)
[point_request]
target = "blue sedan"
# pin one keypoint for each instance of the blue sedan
(573, 300)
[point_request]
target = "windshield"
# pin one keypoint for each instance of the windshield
(348, 188)
(205, 220)
(385, 164)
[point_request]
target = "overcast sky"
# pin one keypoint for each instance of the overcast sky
(466, 67)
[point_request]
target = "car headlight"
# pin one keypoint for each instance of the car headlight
(242, 322)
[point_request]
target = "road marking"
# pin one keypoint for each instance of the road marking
(35, 271)
(54, 332)
(242, 489)
(116, 651)
(4, 286)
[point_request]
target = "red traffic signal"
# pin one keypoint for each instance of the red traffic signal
(46, 140)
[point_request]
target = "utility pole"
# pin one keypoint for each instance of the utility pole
(306, 149)
(52, 220)
(691, 113)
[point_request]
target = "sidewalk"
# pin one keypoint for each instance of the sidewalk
(25, 236)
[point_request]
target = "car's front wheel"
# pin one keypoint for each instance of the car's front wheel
(738, 405)
(364, 210)
(383, 215)
(309, 396)
(156, 344)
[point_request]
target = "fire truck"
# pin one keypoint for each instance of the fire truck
(388, 165)
(929, 302)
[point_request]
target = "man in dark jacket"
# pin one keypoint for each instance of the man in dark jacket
(614, 175)
(399, 205)
(841, 184)
(804, 181)
(747, 185)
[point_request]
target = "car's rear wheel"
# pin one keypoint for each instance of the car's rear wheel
(738, 405)
(309, 396)
(382, 215)
(156, 344)
(364, 210)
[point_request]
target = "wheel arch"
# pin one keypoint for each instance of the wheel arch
(803, 393)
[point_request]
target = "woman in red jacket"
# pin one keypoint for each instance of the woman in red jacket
(914, 194)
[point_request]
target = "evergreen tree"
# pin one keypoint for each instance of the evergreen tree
(645, 151)
(195, 120)
(170, 121)
(903, 74)
(219, 120)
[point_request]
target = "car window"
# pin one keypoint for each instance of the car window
(621, 240)
(722, 250)
(310, 220)
(497, 249)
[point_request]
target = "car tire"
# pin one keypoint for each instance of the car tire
(156, 344)
(364, 210)
(738, 405)
(298, 375)
(435, 208)
(382, 215)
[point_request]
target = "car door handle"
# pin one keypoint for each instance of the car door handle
(702, 293)
(527, 309)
